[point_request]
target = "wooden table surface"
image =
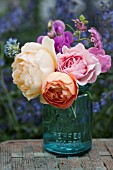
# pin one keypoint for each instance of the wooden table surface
(30, 155)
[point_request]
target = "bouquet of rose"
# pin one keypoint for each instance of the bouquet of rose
(59, 63)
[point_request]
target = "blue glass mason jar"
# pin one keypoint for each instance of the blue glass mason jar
(65, 134)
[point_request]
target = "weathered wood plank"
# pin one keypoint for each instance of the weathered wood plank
(75, 163)
(30, 155)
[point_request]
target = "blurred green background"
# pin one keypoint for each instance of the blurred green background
(26, 20)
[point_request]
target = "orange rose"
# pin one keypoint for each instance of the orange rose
(59, 89)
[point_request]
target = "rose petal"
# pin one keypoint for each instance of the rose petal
(31, 47)
(49, 45)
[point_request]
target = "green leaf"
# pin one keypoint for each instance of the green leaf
(85, 22)
(82, 18)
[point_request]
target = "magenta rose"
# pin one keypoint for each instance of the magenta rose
(79, 62)
(105, 60)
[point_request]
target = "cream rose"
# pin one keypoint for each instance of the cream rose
(32, 65)
(59, 89)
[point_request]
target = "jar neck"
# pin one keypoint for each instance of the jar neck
(84, 89)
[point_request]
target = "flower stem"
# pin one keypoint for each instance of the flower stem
(9, 100)
(79, 36)
(11, 112)
(70, 27)
(73, 111)
(90, 96)
(84, 39)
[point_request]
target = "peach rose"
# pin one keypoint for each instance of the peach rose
(59, 89)
(32, 65)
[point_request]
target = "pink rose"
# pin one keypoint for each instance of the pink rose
(79, 62)
(59, 89)
(105, 60)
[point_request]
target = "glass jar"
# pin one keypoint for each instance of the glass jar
(68, 131)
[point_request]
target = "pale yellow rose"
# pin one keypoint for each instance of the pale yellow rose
(32, 65)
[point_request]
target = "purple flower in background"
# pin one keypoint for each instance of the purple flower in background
(39, 39)
(80, 25)
(95, 38)
(11, 21)
(59, 43)
(96, 107)
(66, 39)
(105, 60)
(60, 37)
(102, 102)
(58, 27)
(2, 62)
(17, 16)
